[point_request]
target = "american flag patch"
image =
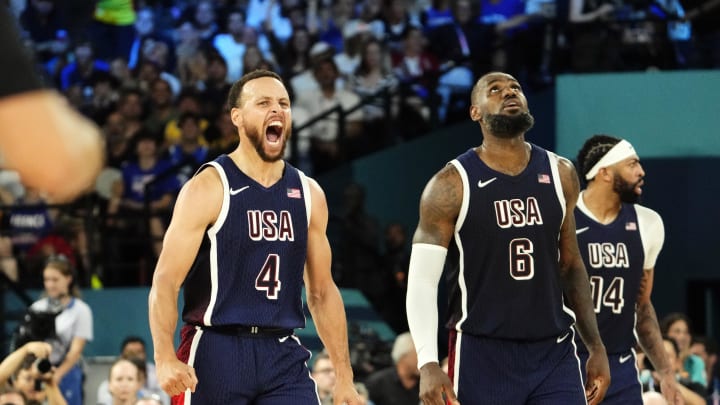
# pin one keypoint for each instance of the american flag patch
(543, 178)
(630, 226)
(294, 193)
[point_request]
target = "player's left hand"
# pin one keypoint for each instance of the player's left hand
(598, 377)
(669, 389)
(346, 394)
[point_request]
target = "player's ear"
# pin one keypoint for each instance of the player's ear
(475, 113)
(236, 117)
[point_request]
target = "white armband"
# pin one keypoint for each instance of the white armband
(426, 267)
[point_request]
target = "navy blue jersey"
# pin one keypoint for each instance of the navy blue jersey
(615, 256)
(504, 276)
(249, 270)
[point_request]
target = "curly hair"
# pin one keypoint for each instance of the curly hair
(593, 150)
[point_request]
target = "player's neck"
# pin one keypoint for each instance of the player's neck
(509, 156)
(250, 163)
(605, 206)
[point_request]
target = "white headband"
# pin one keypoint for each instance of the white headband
(621, 151)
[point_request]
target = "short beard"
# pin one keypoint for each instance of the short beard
(626, 190)
(257, 141)
(509, 126)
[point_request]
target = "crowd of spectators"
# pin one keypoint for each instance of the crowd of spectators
(363, 75)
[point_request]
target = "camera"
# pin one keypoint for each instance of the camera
(42, 365)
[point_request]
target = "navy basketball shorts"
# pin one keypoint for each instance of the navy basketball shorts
(246, 369)
(625, 387)
(501, 372)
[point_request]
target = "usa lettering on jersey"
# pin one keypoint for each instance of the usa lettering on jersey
(270, 225)
(608, 255)
(518, 213)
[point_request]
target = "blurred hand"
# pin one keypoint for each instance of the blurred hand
(41, 350)
(346, 394)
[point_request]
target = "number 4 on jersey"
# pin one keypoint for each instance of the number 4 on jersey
(268, 279)
(612, 297)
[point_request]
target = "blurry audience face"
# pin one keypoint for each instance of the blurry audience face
(680, 332)
(124, 382)
(131, 107)
(57, 284)
(251, 58)
(161, 94)
(119, 69)
(414, 42)
(217, 71)
(186, 33)
(114, 128)
(204, 14)
(134, 349)
(12, 398)
(250, 36)
(25, 383)
(190, 130)
(236, 23)
(326, 73)
(145, 22)
(324, 375)
(373, 55)
(301, 41)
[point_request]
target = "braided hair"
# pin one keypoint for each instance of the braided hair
(593, 150)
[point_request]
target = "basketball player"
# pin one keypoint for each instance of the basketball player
(619, 242)
(247, 229)
(502, 214)
(53, 148)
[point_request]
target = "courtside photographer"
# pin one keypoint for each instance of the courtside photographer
(29, 371)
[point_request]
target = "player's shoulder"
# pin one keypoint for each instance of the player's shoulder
(647, 214)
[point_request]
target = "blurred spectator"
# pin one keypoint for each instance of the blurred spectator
(706, 348)
(161, 108)
(372, 76)
(204, 18)
(117, 140)
(304, 82)
(216, 86)
(133, 348)
(148, 71)
(331, 31)
(226, 138)
(593, 45)
(187, 101)
(293, 56)
(73, 326)
(417, 70)
(85, 70)
(124, 382)
(323, 373)
(399, 384)
(29, 384)
(46, 26)
(398, 20)
(677, 327)
(704, 15)
(438, 13)
(188, 154)
(113, 29)
(355, 34)
(130, 106)
(145, 30)
(230, 44)
(259, 11)
(327, 135)
(395, 261)
(148, 187)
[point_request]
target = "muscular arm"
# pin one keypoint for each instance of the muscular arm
(573, 275)
(197, 207)
(439, 208)
(323, 296)
(575, 284)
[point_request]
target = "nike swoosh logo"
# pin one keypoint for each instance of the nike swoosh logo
(482, 184)
(238, 191)
(623, 359)
(562, 338)
(581, 230)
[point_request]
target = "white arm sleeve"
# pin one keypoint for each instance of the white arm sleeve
(652, 234)
(426, 267)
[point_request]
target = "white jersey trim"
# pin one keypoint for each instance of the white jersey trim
(212, 234)
(554, 161)
(306, 194)
(191, 360)
(461, 252)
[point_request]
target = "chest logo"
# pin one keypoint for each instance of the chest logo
(239, 190)
(482, 184)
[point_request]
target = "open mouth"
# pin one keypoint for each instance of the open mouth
(273, 133)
